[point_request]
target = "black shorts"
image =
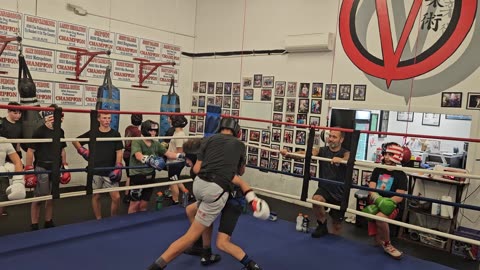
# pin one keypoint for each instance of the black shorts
(230, 214)
(175, 169)
(336, 215)
(141, 194)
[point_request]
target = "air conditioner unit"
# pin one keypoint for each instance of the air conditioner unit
(318, 42)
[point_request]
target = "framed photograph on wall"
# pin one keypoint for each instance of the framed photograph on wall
(366, 177)
(431, 119)
(344, 91)
(280, 88)
(266, 95)
(218, 89)
(314, 120)
(451, 99)
(257, 80)
(278, 105)
(244, 134)
(195, 87)
(277, 117)
(473, 101)
(291, 89)
(200, 117)
(288, 136)
(202, 88)
(275, 147)
(210, 87)
(291, 105)
(266, 136)
(273, 164)
(236, 89)
(317, 90)
(405, 116)
(304, 90)
(287, 166)
(303, 105)
(248, 94)
(200, 127)
(227, 89)
(331, 91)
(316, 106)
(254, 135)
(268, 81)
(276, 135)
(236, 103)
(355, 176)
(359, 92)
(301, 137)
(247, 81)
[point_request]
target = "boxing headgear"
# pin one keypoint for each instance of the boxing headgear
(230, 123)
(147, 126)
(395, 149)
(178, 121)
(136, 119)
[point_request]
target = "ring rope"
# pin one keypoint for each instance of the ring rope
(98, 139)
(95, 191)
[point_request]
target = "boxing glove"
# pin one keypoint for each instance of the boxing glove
(16, 191)
(372, 209)
(385, 205)
(155, 162)
(65, 177)
(116, 175)
(30, 179)
(260, 207)
(84, 152)
(8, 167)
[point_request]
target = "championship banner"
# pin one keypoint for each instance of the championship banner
(126, 45)
(72, 35)
(9, 22)
(150, 50)
(9, 58)
(124, 71)
(166, 74)
(96, 68)
(171, 53)
(65, 63)
(40, 60)
(153, 78)
(8, 90)
(44, 92)
(40, 29)
(68, 94)
(90, 95)
(99, 40)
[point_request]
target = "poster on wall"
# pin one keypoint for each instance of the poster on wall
(8, 90)
(40, 29)
(166, 74)
(152, 78)
(126, 45)
(124, 71)
(68, 94)
(10, 22)
(100, 40)
(72, 35)
(96, 68)
(150, 50)
(90, 96)
(171, 53)
(65, 63)
(41, 60)
(9, 58)
(44, 92)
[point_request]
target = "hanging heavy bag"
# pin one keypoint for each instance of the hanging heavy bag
(108, 98)
(212, 120)
(170, 103)
(31, 120)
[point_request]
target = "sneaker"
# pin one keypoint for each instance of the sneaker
(194, 251)
(49, 224)
(153, 266)
(252, 266)
(210, 259)
(391, 250)
(320, 231)
(34, 227)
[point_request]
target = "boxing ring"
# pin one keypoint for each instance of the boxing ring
(133, 241)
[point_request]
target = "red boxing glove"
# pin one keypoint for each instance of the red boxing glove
(65, 177)
(30, 179)
(84, 152)
(116, 175)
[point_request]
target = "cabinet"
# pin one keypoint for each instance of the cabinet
(424, 218)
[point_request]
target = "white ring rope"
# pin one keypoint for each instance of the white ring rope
(95, 191)
(98, 139)
(387, 220)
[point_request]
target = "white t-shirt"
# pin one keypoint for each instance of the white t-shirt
(5, 149)
(175, 143)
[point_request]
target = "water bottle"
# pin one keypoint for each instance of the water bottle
(305, 224)
(185, 198)
(159, 201)
(298, 227)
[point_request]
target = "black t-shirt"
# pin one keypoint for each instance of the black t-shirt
(106, 152)
(333, 172)
(43, 151)
(10, 130)
(389, 180)
(221, 156)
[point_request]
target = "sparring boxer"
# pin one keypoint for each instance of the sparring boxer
(385, 205)
(131, 131)
(228, 221)
(42, 154)
(327, 192)
(175, 145)
(216, 168)
(149, 152)
(107, 154)
(11, 128)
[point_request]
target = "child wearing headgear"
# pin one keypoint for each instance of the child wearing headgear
(382, 204)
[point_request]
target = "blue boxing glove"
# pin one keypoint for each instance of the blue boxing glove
(155, 162)
(116, 175)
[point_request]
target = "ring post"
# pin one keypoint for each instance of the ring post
(349, 173)
(92, 145)
(308, 161)
(57, 152)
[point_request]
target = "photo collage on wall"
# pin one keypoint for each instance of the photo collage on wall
(292, 102)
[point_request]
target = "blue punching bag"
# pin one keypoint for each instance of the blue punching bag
(212, 120)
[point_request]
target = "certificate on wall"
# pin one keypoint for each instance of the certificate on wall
(68, 94)
(40, 29)
(72, 35)
(10, 22)
(90, 95)
(431, 119)
(41, 60)
(44, 92)
(8, 90)
(100, 39)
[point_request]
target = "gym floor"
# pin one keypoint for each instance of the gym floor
(78, 209)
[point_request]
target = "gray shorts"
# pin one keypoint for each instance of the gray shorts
(211, 199)
(44, 186)
(4, 183)
(102, 182)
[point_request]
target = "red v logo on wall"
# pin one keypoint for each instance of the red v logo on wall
(391, 67)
